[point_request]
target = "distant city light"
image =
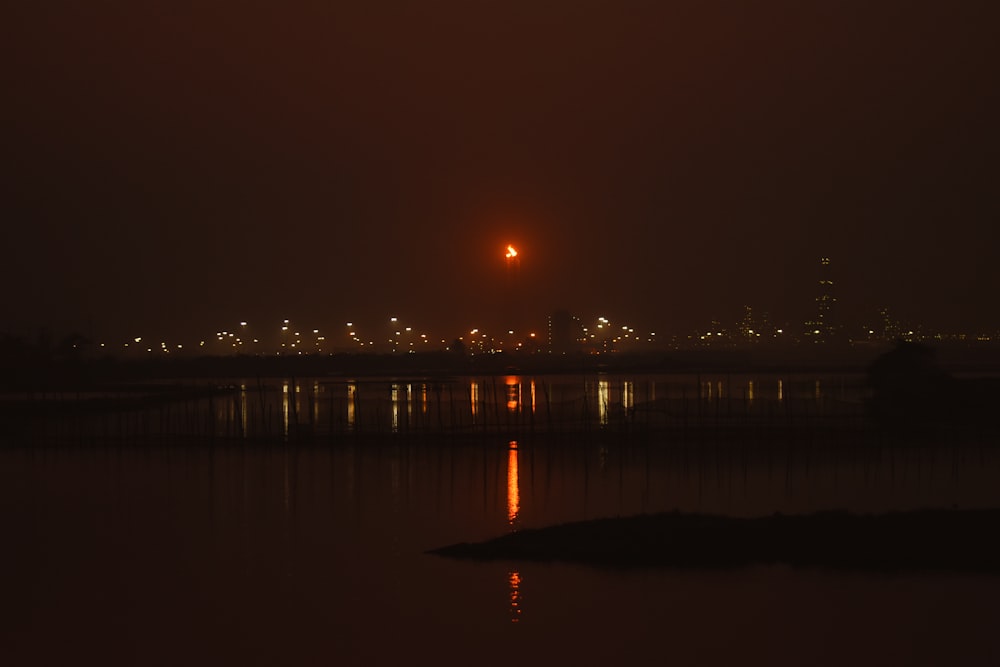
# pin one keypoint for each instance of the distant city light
(511, 252)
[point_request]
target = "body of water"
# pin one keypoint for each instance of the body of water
(127, 550)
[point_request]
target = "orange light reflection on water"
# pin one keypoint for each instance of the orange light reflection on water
(474, 399)
(514, 580)
(513, 385)
(352, 395)
(513, 493)
(284, 408)
(513, 508)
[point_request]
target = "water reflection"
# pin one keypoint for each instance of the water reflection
(505, 404)
(284, 408)
(352, 397)
(474, 399)
(603, 398)
(243, 410)
(315, 402)
(514, 580)
(268, 558)
(513, 491)
(513, 387)
(394, 398)
(408, 397)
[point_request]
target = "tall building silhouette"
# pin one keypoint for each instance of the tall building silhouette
(823, 325)
(564, 332)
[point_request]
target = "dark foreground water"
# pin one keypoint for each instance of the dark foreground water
(291, 554)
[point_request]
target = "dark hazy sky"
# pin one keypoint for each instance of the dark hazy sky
(177, 166)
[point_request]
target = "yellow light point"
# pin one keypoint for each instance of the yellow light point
(511, 252)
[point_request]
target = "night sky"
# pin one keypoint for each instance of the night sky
(173, 168)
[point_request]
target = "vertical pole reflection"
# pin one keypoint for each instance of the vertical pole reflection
(514, 580)
(603, 398)
(781, 390)
(513, 387)
(409, 405)
(315, 403)
(243, 410)
(352, 391)
(474, 399)
(284, 408)
(513, 492)
(395, 407)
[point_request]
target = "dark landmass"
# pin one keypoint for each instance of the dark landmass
(913, 390)
(33, 367)
(942, 540)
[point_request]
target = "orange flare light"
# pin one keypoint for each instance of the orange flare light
(511, 253)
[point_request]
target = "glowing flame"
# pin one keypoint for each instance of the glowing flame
(511, 253)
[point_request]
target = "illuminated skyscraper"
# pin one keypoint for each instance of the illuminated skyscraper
(823, 326)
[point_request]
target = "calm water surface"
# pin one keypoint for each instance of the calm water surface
(284, 408)
(130, 553)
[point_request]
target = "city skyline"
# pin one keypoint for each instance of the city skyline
(666, 164)
(561, 331)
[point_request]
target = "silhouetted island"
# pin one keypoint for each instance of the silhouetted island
(956, 540)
